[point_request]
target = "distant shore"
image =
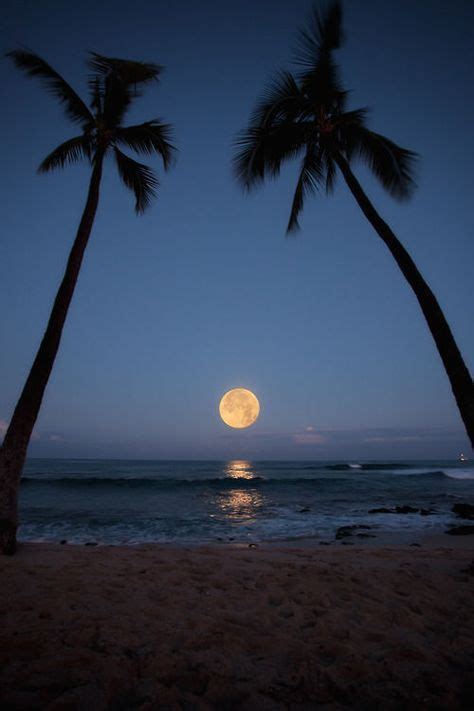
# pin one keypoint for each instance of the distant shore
(233, 626)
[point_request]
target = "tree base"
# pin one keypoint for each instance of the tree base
(7, 537)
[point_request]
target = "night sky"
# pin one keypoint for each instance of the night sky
(204, 292)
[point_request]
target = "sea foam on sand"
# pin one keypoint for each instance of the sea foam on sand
(161, 626)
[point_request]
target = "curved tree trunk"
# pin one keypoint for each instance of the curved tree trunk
(17, 437)
(458, 373)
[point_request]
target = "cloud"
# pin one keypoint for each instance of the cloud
(360, 442)
(395, 435)
(56, 438)
(393, 438)
(310, 437)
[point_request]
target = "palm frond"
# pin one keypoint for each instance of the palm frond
(129, 71)
(117, 97)
(281, 100)
(310, 178)
(261, 151)
(356, 117)
(120, 81)
(392, 165)
(96, 93)
(320, 80)
(34, 66)
(323, 86)
(322, 34)
(137, 177)
(347, 124)
(71, 151)
(149, 137)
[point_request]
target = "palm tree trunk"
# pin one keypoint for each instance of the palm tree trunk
(17, 437)
(458, 373)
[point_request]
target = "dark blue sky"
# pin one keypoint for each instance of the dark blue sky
(204, 292)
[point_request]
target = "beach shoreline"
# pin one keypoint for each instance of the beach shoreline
(355, 534)
(232, 626)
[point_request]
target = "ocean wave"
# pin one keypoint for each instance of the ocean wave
(216, 482)
(367, 466)
(336, 466)
(135, 482)
(460, 473)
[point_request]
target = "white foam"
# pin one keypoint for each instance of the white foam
(415, 471)
(460, 473)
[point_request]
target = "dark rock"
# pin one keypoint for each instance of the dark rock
(396, 510)
(366, 535)
(63, 542)
(427, 512)
(405, 509)
(460, 531)
(91, 543)
(324, 543)
(346, 531)
(381, 510)
(464, 511)
(415, 545)
(306, 509)
(343, 532)
(253, 545)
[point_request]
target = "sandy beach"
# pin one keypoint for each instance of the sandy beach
(161, 626)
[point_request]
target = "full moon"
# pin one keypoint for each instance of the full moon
(239, 408)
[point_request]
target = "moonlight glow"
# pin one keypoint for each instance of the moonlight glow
(239, 408)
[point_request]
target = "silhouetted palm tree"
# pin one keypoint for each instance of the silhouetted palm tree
(306, 114)
(113, 86)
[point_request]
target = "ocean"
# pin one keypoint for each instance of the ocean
(193, 502)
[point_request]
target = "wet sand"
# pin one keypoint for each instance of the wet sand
(229, 627)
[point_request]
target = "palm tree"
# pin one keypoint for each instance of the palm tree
(306, 114)
(113, 86)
